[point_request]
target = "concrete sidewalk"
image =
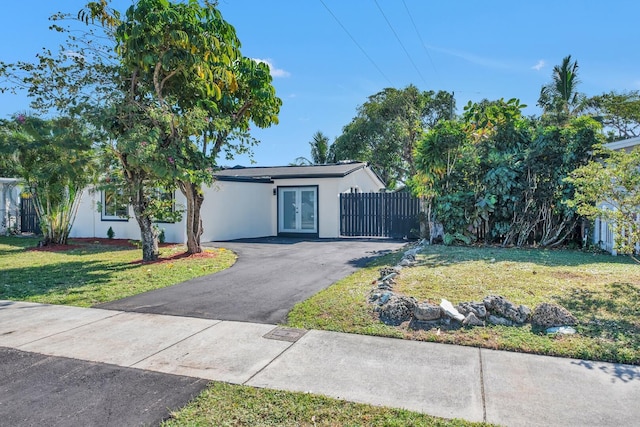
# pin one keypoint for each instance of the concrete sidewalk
(505, 388)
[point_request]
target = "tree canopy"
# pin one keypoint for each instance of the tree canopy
(55, 160)
(619, 113)
(387, 128)
(497, 176)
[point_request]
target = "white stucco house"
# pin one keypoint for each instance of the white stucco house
(9, 204)
(602, 233)
(246, 202)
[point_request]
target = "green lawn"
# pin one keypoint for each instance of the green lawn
(94, 273)
(602, 291)
(233, 405)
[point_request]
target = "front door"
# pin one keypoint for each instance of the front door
(298, 210)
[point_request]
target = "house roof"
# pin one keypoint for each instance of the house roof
(625, 143)
(9, 180)
(260, 174)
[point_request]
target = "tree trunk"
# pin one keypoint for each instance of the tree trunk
(194, 196)
(148, 234)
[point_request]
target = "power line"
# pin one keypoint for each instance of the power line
(399, 41)
(356, 43)
(424, 45)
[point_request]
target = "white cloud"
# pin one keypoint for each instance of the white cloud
(73, 54)
(275, 72)
(539, 66)
(471, 57)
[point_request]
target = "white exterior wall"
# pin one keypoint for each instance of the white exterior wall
(237, 210)
(89, 222)
(9, 204)
(603, 236)
(233, 209)
(329, 189)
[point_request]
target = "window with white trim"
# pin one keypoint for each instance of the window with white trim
(115, 206)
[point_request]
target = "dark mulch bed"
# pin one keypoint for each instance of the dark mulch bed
(76, 243)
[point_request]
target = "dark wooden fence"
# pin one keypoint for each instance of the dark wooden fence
(28, 217)
(393, 215)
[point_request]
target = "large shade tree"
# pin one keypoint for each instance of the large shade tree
(619, 113)
(387, 128)
(188, 95)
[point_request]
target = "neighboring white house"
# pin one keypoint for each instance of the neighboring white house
(246, 202)
(9, 204)
(602, 233)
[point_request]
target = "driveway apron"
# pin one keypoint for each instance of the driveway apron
(270, 276)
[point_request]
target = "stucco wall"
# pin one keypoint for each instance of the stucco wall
(89, 221)
(236, 210)
(329, 190)
(9, 204)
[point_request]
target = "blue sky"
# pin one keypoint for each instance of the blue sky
(328, 56)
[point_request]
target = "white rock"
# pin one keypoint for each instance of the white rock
(450, 310)
(563, 330)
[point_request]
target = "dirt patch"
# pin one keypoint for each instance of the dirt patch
(77, 243)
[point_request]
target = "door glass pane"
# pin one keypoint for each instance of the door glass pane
(308, 209)
(289, 209)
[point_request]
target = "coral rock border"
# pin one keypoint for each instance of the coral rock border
(394, 309)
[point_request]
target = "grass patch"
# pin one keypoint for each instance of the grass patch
(224, 404)
(602, 291)
(89, 274)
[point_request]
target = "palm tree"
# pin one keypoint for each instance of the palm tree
(321, 151)
(559, 98)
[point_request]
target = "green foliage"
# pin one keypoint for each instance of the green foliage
(322, 151)
(560, 99)
(437, 156)
(223, 404)
(195, 91)
(609, 189)
(619, 113)
(110, 233)
(498, 176)
(388, 127)
(54, 158)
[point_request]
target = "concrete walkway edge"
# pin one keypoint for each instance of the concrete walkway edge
(449, 381)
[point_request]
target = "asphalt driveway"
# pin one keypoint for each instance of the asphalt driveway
(41, 390)
(270, 277)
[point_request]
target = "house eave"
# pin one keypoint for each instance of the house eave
(625, 143)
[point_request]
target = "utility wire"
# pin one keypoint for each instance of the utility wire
(424, 46)
(356, 43)
(399, 41)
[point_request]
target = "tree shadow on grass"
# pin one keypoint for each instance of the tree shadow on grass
(611, 317)
(25, 282)
(441, 255)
